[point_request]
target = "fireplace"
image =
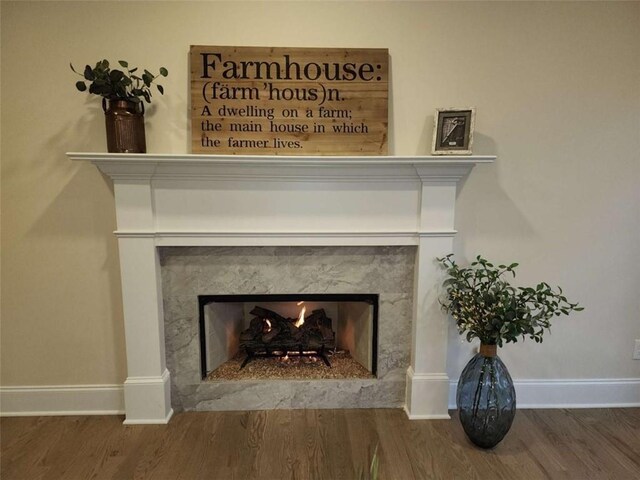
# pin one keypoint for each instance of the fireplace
(367, 291)
(304, 336)
(211, 201)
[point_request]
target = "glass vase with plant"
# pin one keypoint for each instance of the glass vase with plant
(486, 306)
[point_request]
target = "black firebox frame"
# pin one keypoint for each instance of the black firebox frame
(370, 298)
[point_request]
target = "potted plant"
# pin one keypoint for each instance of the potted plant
(485, 306)
(122, 92)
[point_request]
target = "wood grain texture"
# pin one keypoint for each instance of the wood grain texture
(289, 101)
(320, 444)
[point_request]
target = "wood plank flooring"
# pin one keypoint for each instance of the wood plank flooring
(319, 444)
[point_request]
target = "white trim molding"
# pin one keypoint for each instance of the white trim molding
(425, 395)
(571, 393)
(137, 166)
(234, 200)
(148, 399)
(266, 238)
(50, 400)
(64, 400)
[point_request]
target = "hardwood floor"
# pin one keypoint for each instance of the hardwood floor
(320, 444)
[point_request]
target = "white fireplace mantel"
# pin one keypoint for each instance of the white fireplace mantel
(215, 200)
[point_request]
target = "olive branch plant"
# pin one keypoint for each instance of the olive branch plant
(486, 306)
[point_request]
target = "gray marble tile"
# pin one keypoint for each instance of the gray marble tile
(191, 271)
(182, 340)
(243, 395)
(394, 333)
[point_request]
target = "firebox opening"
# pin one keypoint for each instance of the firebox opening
(288, 336)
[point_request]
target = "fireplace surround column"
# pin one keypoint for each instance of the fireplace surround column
(214, 200)
(147, 392)
(427, 380)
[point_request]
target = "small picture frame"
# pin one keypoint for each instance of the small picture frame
(453, 131)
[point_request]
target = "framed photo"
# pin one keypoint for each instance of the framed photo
(453, 131)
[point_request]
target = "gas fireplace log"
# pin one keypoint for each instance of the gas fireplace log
(246, 336)
(311, 321)
(270, 335)
(327, 333)
(294, 333)
(254, 330)
(256, 324)
(317, 319)
(269, 331)
(267, 314)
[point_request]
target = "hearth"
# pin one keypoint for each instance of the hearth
(294, 329)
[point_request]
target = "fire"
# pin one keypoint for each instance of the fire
(301, 316)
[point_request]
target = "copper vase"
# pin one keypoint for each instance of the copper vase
(125, 126)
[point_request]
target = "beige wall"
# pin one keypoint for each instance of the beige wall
(556, 86)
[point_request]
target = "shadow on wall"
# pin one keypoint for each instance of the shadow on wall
(425, 140)
(78, 210)
(487, 213)
(77, 218)
(85, 133)
(45, 160)
(489, 217)
(168, 124)
(486, 200)
(391, 147)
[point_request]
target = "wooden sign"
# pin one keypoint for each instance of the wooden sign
(289, 101)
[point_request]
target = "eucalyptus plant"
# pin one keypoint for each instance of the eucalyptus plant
(486, 306)
(117, 84)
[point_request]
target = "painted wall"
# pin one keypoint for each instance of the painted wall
(556, 86)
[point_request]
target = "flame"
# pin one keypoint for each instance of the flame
(301, 316)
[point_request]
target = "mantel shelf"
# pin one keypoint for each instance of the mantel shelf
(269, 167)
(279, 160)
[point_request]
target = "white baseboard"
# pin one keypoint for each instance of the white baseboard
(149, 421)
(571, 393)
(148, 399)
(61, 400)
(109, 399)
(412, 416)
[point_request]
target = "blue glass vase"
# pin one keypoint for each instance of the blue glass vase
(486, 398)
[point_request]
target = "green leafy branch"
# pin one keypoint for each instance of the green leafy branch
(116, 84)
(486, 306)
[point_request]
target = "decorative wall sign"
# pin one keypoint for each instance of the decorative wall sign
(289, 101)
(453, 131)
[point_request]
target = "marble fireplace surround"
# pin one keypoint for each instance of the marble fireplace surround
(167, 200)
(386, 271)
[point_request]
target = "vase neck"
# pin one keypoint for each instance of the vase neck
(487, 350)
(122, 105)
